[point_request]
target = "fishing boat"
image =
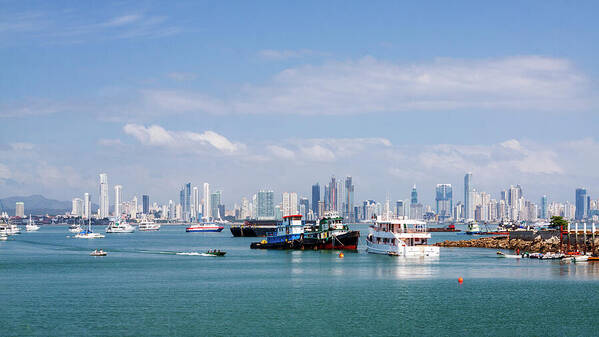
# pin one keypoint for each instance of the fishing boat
(330, 233)
(147, 225)
(289, 235)
(31, 226)
(75, 228)
(98, 253)
(120, 227)
(204, 227)
(400, 237)
(473, 228)
(88, 233)
(216, 252)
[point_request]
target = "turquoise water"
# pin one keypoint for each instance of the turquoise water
(51, 286)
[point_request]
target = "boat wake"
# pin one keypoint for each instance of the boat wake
(193, 254)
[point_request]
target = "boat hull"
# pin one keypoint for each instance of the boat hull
(203, 229)
(402, 251)
(252, 231)
(346, 241)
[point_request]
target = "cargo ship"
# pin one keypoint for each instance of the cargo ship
(254, 228)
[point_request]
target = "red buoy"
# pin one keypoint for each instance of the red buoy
(460, 280)
(341, 255)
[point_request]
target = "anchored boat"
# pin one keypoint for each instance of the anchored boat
(205, 227)
(331, 233)
(400, 237)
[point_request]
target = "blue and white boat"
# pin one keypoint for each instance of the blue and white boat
(289, 235)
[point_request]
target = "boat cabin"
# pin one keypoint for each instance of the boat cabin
(291, 228)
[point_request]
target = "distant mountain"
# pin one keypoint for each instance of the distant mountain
(37, 204)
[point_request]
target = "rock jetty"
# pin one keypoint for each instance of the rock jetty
(537, 245)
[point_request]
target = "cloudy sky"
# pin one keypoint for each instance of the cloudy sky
(250, 95)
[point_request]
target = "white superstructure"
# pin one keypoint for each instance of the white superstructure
(31, 226)
(119, 227)
(400, 237)
(148, 225)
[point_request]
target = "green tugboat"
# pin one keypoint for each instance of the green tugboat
(331, 233)
(216, 252)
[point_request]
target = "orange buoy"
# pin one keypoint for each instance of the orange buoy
(341, 255)
(460, 280)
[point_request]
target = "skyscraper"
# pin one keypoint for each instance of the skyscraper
(87, 205)
(77, 207)
(145, 200)
(118, 199)
(315, 198)
(414, 196)
(468, 202)
(20, 209)
(185, 200)
(444, 199)
(581, 204)
(265, 205)
(215, 201)
(304, 207)
(544, 207)
(349, 200)
(195, 202)
(207, 211)
(104, 202)
(289, 203)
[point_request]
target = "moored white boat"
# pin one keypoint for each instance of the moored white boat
(400, 237)
(146, 226)
(88, 233)
(75, 228)
(31, 226)
(204, 227)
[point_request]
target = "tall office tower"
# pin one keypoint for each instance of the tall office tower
(87, 206)
(340, 197)
(581, 204)
(326, 199)
(206, 211)
(333, 194)
(171, 209)
(349, 200)
(215, 201)
(104, 203)
(118, 199)
(145, 201)
(245, 208)
(399, 208)
(514, 195)
(289, 204)
(266, 207)
(77, 207)
(444, 199)
(20, 209)
(544, 207)
(315, 198)
(185, 201)
(468, 209)
(195, 202)
(304, 207)
(414, 196)
(133, 207)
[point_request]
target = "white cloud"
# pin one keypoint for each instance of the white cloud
(521, 83)
(22, 146)
(273, 54)
(281, 152)
(184, 141)
(4, 171)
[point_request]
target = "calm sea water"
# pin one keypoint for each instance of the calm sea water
(51, 286)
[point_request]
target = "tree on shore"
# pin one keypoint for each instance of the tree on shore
(558, 222)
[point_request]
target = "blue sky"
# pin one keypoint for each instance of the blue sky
(250, 95)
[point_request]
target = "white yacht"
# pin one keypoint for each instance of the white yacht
(148, 225)
(31, 226)
(119, 227)
(13, 229)
(75, 228)
(88, 234)
(400, 237)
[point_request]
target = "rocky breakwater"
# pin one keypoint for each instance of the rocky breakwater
(537, 245)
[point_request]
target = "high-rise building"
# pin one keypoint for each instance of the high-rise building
(348, 211)
(185, 201)
(206, 211)
(444, 199)
(333, 194)
(304, 208)
(581, 204)
(87, 206)
(265, 205)
(133, 208)
(77, 207)
(104, 202)
(315, 198)
(414, 196)
(468, 202)
(20, 209)
(399, 208)
(215, 201)
(195, 202)
(544, 207)
(118, 200)
(289, 206)
(145, 201)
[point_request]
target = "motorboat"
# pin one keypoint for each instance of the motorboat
(146, 226)
(216, 252)
(400, 237)
(75, 228)
(473, 228)
(31, 226)
(99, 252)
(580, 258)
(510, 256)
(120, 227)
(204, 227)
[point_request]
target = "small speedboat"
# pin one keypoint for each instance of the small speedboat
(511, 256)
(98, 253)
(216, 252)
(580, 258)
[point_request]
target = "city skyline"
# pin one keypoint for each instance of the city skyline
(184, 96)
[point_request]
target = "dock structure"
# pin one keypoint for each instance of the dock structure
(576, 239)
